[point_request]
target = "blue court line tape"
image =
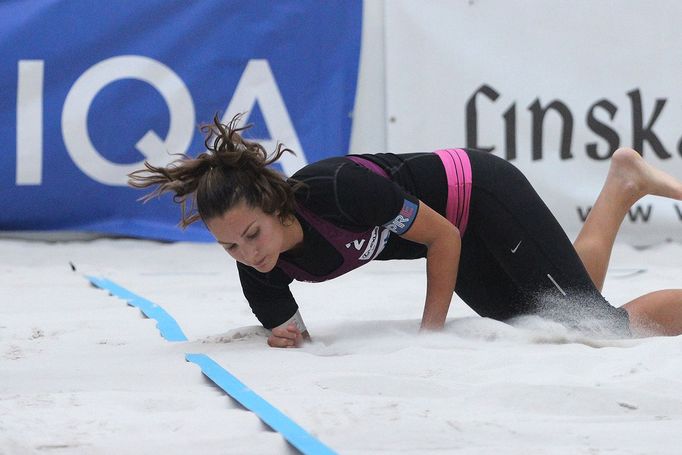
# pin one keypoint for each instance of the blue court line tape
(279, 422)
(168, 327)
(171, 331)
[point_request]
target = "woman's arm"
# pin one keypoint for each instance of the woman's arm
(442, 262)
(271, 301)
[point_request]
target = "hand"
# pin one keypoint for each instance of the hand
(287, 337)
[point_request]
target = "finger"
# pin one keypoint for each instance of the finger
(279, 342)
(283, 332)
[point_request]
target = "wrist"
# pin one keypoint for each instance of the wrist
(296, 320)
(431, 326)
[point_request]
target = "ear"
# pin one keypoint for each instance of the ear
(288, 221)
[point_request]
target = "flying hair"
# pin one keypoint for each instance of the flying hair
(231, 170)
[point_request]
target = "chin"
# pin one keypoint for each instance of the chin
(267, 266)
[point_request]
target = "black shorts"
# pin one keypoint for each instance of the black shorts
(516, 259)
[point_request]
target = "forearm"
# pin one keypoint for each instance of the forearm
(442, 263)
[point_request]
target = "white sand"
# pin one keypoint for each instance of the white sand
(82, 372)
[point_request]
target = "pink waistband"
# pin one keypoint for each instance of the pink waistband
(458, 172)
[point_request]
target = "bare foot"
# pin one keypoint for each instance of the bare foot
(637, 178)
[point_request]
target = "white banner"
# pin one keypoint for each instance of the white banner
(554, 87)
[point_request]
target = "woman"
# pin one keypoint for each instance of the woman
(484, 231)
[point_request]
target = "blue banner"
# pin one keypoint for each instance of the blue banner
(89, 90)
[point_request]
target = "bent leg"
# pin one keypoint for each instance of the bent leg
(629, 179)
(484, 285)
(656, 313)
(533, 254)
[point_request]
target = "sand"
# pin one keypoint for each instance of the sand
(82, 372)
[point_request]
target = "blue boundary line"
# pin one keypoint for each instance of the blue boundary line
(168, 327)
(272, 417)
(171, 331)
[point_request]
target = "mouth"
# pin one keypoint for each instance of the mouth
(260, 263)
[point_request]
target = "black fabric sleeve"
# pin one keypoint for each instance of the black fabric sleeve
(367, 198)
(268, 295)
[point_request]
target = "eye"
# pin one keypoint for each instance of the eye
(253, 235)
(229, 247)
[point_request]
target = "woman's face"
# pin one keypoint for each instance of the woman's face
(249, 235)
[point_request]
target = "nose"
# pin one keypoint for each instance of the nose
(251, 255)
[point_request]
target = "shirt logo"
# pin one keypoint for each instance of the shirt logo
(401, 223)
(356, 243)
(371, 245)
(375, 244)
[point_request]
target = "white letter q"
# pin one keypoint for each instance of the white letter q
(157, 151)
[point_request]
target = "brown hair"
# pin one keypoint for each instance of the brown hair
(232, 170)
